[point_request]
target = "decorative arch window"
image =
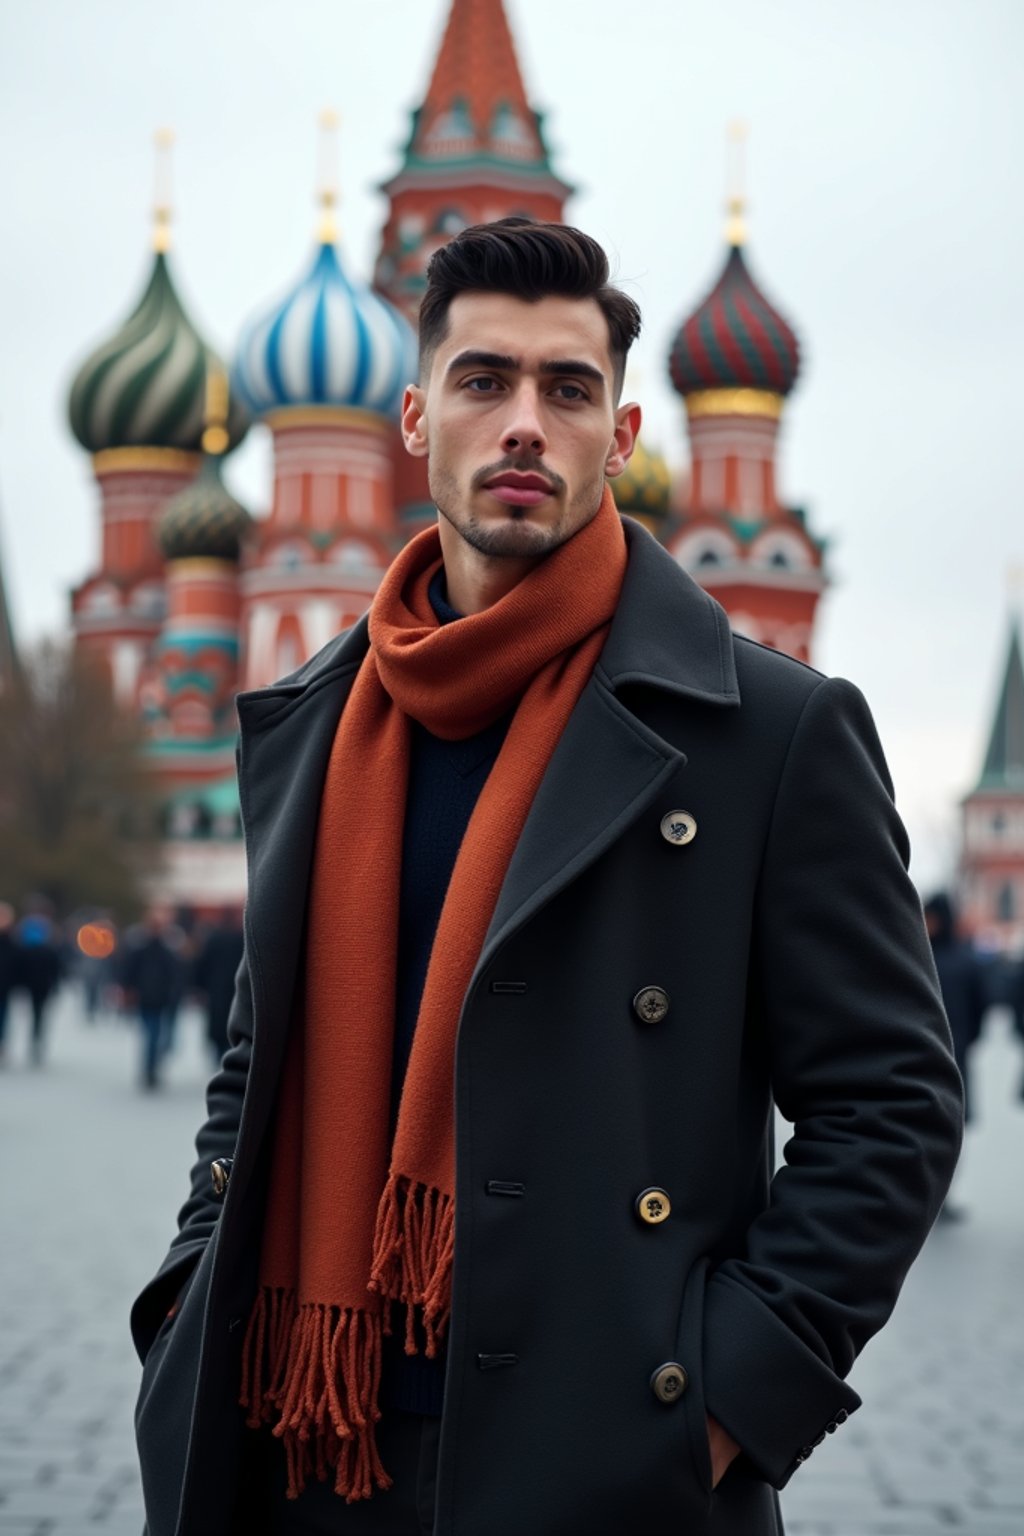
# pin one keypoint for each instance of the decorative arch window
(705, 548)
(509, 131)
(452, 128)
(449, 222)
(781, 549)
(101, 601)
(291, 556)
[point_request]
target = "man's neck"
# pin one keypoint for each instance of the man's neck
(476, 581)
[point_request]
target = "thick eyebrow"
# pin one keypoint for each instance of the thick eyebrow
(506, 364)
(474, 359)
(576, 366)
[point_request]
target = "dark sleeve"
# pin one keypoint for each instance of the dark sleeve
(217, 1137)
(843, 985)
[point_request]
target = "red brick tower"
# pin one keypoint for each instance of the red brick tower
(734, 361)
(475, 152)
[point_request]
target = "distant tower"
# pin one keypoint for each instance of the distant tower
(324, 368)
(136, 404)
(992, 859)
(476, 152)
(734, 361)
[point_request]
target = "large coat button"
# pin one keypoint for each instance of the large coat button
(679, 827)
(651, 1004)
(220, 1173)
(669, 1382)
(653, 1205)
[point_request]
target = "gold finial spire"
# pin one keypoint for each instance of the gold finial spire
(215, 436)
(736, 201)
(164, 140)
(327, 177)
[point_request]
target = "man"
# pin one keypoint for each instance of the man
(553, 886)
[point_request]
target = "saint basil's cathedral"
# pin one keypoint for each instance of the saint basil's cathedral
(194, 598)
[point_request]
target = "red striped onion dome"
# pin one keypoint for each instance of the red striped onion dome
(735, 339)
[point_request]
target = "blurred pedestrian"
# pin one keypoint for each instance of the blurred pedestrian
(964, 996)
(8, 963)
(215, 968)
(152, 979)
(961, 980)
(38, 970)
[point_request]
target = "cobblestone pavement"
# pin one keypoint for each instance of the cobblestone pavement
(94, 1171)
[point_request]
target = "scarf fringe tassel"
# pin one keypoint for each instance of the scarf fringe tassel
(413, 1250)
(315, 1368)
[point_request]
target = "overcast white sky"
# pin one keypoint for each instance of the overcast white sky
(886, 223)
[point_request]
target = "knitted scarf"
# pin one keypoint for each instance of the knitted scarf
(353, 1224)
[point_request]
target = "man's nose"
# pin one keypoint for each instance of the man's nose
(523, 429)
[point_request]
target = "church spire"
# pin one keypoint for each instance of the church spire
(1004, 760)
(476, 151)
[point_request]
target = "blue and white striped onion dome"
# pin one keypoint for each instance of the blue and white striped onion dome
(328, 342)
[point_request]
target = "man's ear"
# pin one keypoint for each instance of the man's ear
(627, 425)
(414, 421)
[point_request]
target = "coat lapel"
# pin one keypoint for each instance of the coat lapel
(609, 766)
(606, 768)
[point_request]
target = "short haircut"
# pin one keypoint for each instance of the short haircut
(531, 260)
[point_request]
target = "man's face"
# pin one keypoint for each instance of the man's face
(518, 421)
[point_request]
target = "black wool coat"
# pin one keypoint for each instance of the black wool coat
(717, 823)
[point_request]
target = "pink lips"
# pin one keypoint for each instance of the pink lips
(520, 491)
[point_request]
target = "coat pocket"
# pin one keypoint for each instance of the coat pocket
(163, 1411)
(690, 1344)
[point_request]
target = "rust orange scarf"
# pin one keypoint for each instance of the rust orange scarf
(353, 1224)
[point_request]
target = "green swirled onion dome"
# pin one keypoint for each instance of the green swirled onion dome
(145, 387)
(204, 520)
(645, 484)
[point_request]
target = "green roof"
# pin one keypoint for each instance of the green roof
(1004, 760)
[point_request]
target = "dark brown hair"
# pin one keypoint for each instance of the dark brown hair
(532, 261)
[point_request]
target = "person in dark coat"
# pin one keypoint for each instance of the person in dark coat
(213, 973)
(961, 981)
(554, 887)
(38, 972)
(152, 979)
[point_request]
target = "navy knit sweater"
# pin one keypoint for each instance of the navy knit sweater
(445, 780)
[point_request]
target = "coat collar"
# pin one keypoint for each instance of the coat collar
(667, 633)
